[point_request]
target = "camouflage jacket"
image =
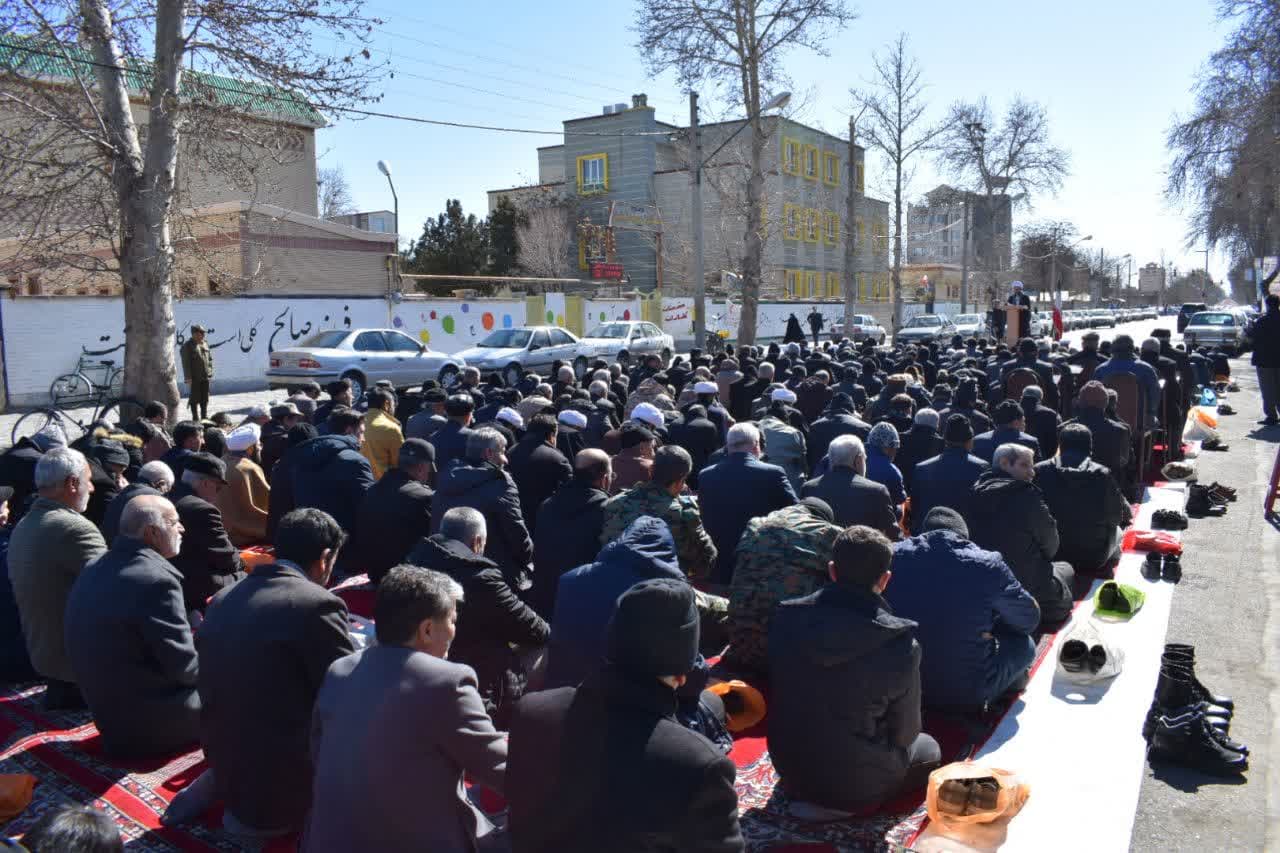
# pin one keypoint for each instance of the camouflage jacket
(780, 556)
(693, 545)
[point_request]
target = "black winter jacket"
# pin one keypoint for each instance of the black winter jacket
(491, 619)
(332, 474)
(826, 429)
(569, 525)
(538, 470)
(846, 697)
(395, 514)
(1088, 507)
(1011, 516)
(490, 491)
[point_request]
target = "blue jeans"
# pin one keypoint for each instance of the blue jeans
(1014, 654)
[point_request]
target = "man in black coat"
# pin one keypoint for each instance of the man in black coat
(281, 476)
(332, 475)
(264, 648)
(423, 424)
(605, 764)
(450, 440)
(107, 463)
(919, 443)
(1041, 421)
(699, 435)
(569, 525)
(1010, 422)
(1112, 445)
(1266, 360)
(737, 489)
(853, 497)
(1088, 506)
(537, 466)
(154, 478)
(838, 419)
(396, 512)
(480, 482)
(207, 560)
(947, 479)
(1029, 358)
(844, 718)
(1088, 357)
(497, 633)
(128, 639)
(1008, 513)
(188, 438)
(274, 440)
(340, 397)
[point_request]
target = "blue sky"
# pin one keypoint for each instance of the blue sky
(1111, 73)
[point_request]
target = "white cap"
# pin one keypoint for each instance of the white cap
(706, 388)
(572, 418)
(786, 395)
(259, 412)
(243, 437)
(648, 413)
(510, 416)
(1017, 285)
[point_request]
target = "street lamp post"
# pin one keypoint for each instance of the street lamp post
(1053, 260)
(696, 163)
(385, 168)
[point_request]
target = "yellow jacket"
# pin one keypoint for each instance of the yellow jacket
(382, 440)
(243, 503)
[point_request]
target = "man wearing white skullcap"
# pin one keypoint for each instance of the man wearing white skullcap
(243, 503)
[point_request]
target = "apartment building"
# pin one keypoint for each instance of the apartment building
(624, 178)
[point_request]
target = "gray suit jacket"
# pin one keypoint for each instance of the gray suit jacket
(392, 733)
(48, 550)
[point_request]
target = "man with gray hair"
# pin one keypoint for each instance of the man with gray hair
(1008, 513)
(882, 448)
(498, 635)
(919, 443)
(737, 489)
(47, 552)
(208, 561)
(853, 498)
(129, 641)
(154, 478)
(1041, 421)
(482, 483)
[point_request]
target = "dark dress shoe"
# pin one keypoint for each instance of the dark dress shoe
(1189, 741)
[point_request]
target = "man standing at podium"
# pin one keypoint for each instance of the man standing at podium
(1017, 297)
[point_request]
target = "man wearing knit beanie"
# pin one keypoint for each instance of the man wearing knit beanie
(607, 759)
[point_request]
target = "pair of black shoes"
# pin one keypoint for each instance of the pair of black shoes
(1188, 725)
(1168, 519)
(1162, 567)
(1205, 500)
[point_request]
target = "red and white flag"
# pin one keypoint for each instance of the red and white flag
(1057, 315)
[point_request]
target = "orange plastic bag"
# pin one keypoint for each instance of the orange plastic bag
(966, 801)
(744, 706)
(1201, 414)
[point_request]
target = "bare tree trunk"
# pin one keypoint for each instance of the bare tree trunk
(754, 243)
(144, 190)
(897, 247)
(850, 231)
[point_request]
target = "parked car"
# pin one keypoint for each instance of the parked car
(923, 328)
(1101, 318)
(864, 327)
(1188, 310)
(513, 352)
(970, 325)
(1226, 329)
(364, 356)
(626, 339)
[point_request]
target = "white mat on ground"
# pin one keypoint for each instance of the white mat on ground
(1082, 748)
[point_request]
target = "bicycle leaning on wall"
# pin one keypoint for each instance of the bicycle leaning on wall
(93, 392)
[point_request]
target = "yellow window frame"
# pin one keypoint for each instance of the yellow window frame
(859, 177)
(791, 153)
(860, 235)
(831, 229)
(603, 187)
(795, 280)
(810, 163)
(831, 168)
(833, 285)
(812, 225)
(791, 221)
(811, 283)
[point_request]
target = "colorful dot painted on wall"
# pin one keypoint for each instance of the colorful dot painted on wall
(447, 324)
(433, 315)
(551, 317)
(424, 336)
(397, 322)
(466, 309)
(486, 320)
(626, 315)
(602, 317)
(559, 319)
(507, 322)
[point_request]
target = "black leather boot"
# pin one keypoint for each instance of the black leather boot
(1189, 741)
(1185, 655)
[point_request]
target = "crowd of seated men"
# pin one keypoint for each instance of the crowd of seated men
(871, 529)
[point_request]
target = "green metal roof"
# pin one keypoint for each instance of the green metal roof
(30, 58)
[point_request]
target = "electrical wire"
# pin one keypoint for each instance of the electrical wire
(295, 101)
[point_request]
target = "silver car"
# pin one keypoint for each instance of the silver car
(513, 352)
(1216, 328)
(624, 340)
(363, 356)
(971, 325)
(864, 327)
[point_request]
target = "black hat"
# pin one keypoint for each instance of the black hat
(945, 518)
(338, 386)
(415, 451)
(206, 464)
(654, 629)
(632, 434)
(459, 404)
(110, 452)
(819, 508)
(959, 429)
(434, 395)
(196, 327)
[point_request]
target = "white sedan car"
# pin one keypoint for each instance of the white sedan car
(624, 340)
(362, 356)
(971, 325)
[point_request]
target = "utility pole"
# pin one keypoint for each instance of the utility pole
(850, 228)
(1095, 290)
(1053, 261)
(964, 263)
(699, 276)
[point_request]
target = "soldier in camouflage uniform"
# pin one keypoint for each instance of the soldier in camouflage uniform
(661, 498)
(780, 556)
